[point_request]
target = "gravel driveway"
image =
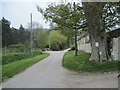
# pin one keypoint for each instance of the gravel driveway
(49, 73)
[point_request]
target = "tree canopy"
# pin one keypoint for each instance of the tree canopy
(42, 38)
(57, 40)
(96, 18)
(13, 35)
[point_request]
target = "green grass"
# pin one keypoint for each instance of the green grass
(6, 59)
(81, 63)
(9, 70)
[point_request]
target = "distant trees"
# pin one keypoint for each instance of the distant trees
(67, 17)
(22, 35)
(41, 38)
(13, 35)
(34, 25)
(57, 40)
(6, 32)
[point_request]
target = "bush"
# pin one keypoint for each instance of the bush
(20, 47)
(57, 40)
(18, 56)
(55, 47)
(72, 48)
(16, 46)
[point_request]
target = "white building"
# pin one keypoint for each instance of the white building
(84, 43)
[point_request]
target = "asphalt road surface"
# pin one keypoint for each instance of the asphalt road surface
(49, 73)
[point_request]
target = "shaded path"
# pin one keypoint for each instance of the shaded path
(49, 73)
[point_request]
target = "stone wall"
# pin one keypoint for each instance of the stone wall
(116, 49)
(84, 44)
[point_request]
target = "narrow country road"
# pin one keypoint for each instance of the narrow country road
(49, 73)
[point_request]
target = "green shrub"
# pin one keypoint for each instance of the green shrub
(72, 48)
(20, 47)
(18, 56)
(55, 47)
(16, 46)
(57, 40)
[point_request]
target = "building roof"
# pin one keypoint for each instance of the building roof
(114, 34)
(83, 35)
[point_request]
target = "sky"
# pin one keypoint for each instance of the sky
(19, 13)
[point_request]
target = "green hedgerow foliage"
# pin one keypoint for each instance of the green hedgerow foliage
(57, 40)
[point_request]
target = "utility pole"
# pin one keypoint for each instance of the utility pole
(31, 36)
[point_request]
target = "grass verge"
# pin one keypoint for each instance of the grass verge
(81, 63)
(6, 59)
(9, 70)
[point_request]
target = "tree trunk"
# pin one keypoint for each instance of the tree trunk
(103, 50)
(75, 34)
(119, 48)
(95, 50)
(68, 42)
(97, 34)
(76, 43)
